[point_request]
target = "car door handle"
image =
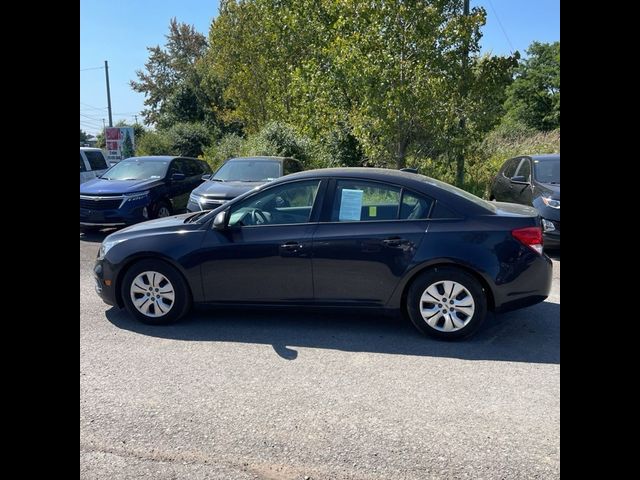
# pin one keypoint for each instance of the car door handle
(393, 241)
(291, 246)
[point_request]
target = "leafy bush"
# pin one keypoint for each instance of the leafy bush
(188, 139)
(153, 143)
(484, 161)
(229, 146)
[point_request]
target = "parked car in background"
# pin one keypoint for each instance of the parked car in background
(237, 176)
(533, 180)
(139, 188)
(342, 237)
(92, 163)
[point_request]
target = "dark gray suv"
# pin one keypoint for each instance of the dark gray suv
(237, 176)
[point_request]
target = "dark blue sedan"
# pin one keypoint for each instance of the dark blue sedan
(138, 189)
(350, 237)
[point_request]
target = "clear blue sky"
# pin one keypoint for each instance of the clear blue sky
(120, 30)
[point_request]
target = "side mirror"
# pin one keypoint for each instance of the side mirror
(519, 179)
(220, 222)
(206, 176)
(178, 177)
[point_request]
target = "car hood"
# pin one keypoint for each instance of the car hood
(99, 186)
(549, 190)
(225, 190)
(174, 223)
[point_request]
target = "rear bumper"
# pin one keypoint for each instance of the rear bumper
(530, 284)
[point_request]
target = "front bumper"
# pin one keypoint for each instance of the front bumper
(552, 237)
(105, 282)
(113, 217)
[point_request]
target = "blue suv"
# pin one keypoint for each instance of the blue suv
(139, 188)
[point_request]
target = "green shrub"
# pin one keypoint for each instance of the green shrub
(229, 146)
(153, 143)
(189, 139)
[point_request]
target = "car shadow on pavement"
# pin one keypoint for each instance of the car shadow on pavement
(529, 335)
(96, 237)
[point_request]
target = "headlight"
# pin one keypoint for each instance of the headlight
(106, 246)
(135, 196)
(195, 198)
(549, 202)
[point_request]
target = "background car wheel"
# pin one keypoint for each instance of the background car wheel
(162, 209)
(155, 293)
(446, 303)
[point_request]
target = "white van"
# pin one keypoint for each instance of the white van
(92, 163)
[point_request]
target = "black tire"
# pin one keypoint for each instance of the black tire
(431, 277)
(158, 206)
(182, 296)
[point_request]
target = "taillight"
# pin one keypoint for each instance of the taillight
(530, 236)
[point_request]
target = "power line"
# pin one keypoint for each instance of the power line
(501, 27)
(90, 117)
(91, 68)
(92, 106)
(91, 123)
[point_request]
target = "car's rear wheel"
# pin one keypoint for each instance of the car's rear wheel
(446, 303)
(155, 293)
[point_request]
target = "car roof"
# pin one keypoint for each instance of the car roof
(545, 157)
(261, 158)
(158, 158)
(452, 196)
(91, 149)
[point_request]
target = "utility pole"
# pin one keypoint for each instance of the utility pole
(463, 95)
(106, 73)
(136, 117)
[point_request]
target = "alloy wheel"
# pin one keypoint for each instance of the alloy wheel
(446, 306)
(152, 294)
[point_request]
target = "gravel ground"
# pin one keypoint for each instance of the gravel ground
(290, 395)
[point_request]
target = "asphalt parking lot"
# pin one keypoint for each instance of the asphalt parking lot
(290, 395)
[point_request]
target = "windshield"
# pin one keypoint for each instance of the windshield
(137, 169)
(248, 171)
(547, 171)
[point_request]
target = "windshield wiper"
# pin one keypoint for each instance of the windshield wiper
(216, 179)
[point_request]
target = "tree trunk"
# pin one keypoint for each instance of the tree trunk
(401, 153)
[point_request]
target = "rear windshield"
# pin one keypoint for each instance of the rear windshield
(461, 193)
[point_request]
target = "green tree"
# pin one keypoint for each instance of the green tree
(387, 71)
(83, 136)
(188, 139)
(154, 143)
(127, 146)
(534, 96)
(168, 69)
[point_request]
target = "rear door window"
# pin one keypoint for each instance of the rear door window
(361, 201)
(96, 160)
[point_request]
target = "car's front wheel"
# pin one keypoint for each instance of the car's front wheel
(446, 303)
(155, 293)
